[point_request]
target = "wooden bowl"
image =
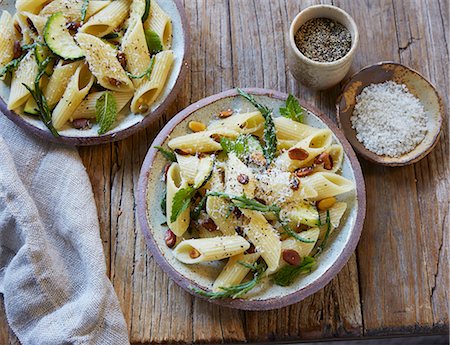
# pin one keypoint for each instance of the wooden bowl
(127, 123)
(151, 189)
(416, 84)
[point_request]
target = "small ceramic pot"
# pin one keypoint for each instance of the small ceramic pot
(314, 74)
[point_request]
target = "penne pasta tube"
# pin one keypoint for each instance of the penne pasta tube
(220, 211)
(234, 273)
(104, 64)
(105, 21)
(134, 46)
(210, 249)
(33, 6)
(310, 147)
(7, 39)
(327, 184)
(247, 123)
(78, 87)
(264, 237)
(150, 89)
(25, 74)
(174, 184)
(160, 23)
(59, 80)
(205, 141)
(239, 179)
(86, 109)
(72, 8)
(336, 153)
(288, 129)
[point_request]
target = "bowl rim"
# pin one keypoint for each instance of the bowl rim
(307, 60)
(372, 157)
(125, 133)
(272, 303)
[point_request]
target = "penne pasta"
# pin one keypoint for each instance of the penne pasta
(234, 272)
(210, 249)
(25, 74)
(248, 123)
(174, 184)
(312, 146)
(205, 141)
(150, 89)
(288, 129)
(72, 8)
(86, 109)
(32, 6)
(78, 87)
(105, 21)
(239, 179)
(7, 39)
(221, 212)
(134, 46)
(264, 237)
(328, 184)
(59, 80)
(160, 23)
(103, 63)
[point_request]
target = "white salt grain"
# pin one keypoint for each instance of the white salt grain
(388, 119)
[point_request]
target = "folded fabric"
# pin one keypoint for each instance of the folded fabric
(52, 267)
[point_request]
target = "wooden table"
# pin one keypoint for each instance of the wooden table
(396, 282)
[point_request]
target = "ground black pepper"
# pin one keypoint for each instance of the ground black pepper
(323, 40)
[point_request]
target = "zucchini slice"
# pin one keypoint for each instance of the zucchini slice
(31, 107)
(59, 39)
(303, 213)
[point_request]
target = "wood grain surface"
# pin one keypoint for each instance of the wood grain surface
(396, 282)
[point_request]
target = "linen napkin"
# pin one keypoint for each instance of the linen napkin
(52, 267)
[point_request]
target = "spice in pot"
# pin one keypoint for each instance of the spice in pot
(388, 119)
(323, 40)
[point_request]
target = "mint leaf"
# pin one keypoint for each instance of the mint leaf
(181, 201)
(147, 10)
(286, 275)
(153, 42)
(105, 112)
(293, 109)
(170, 156)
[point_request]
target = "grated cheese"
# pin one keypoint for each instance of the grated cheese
(388, 119)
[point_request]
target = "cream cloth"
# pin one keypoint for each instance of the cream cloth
(52, 267)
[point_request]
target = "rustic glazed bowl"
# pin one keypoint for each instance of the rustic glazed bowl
(314, 74)
(267, 296)
(416, 84)
(127, 123)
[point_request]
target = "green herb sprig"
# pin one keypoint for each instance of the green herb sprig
(270, 136)
(287, 274)
(163, 203)
(170, 156)
(147, 73)
(11, 66)
(38, 96)
(293, 109)
(146, 11)
(327, 235)
(195, 214)
(236, 291)
(84, 9)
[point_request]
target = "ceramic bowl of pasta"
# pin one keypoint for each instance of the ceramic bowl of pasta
(250, 200)
(88, 72)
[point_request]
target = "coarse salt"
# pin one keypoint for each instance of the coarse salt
(388, 119)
